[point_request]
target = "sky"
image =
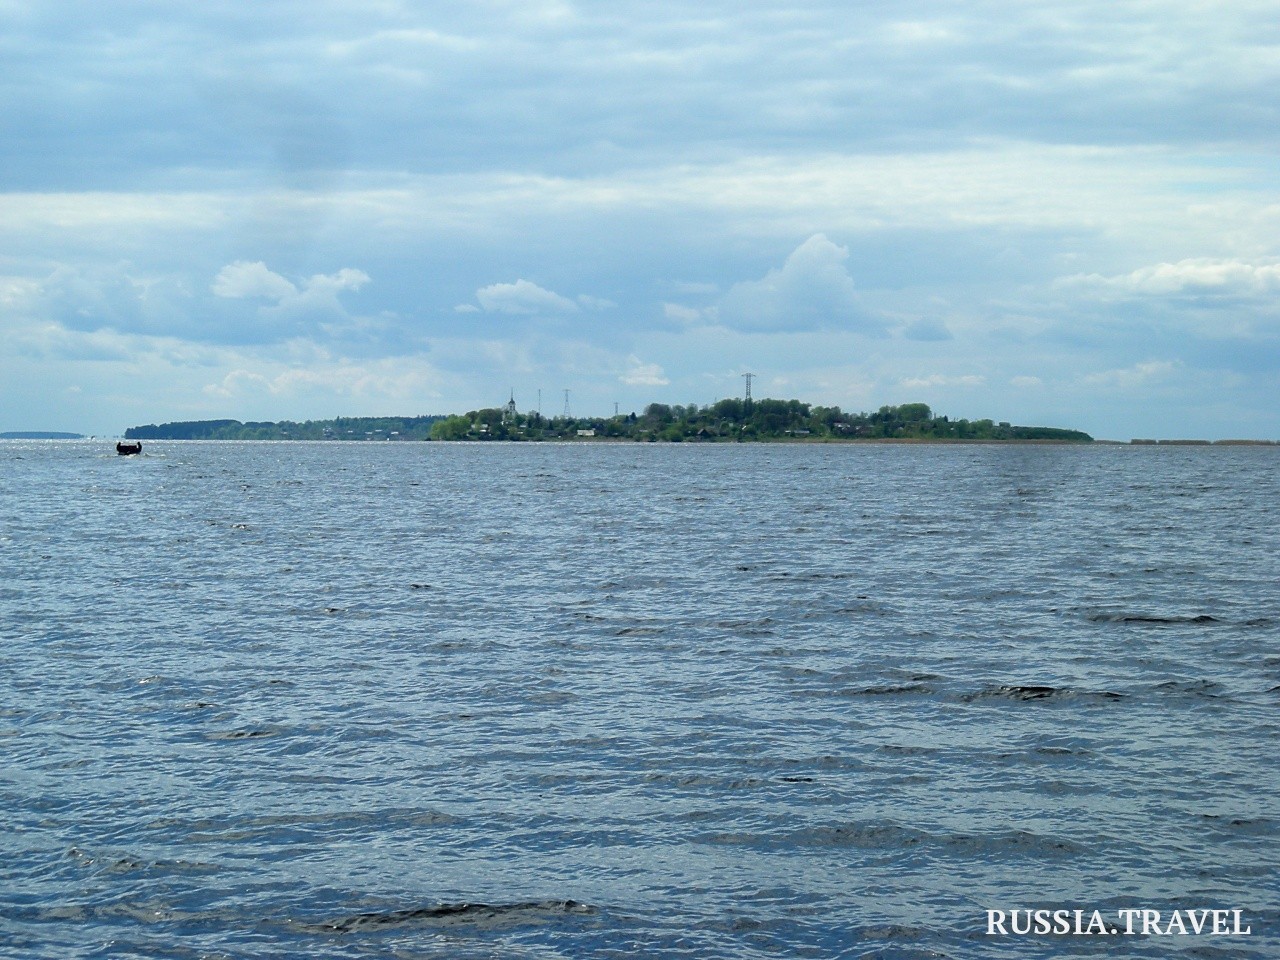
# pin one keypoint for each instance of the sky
(1053, 213)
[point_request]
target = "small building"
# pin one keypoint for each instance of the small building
(589, 432)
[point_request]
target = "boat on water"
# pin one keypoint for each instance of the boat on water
(126, 449)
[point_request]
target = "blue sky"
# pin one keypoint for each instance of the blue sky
(1064, 213)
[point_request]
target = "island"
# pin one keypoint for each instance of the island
(730, 420)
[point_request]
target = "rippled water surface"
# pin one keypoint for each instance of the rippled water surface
(595, 700)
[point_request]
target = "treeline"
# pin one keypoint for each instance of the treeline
(725, 420)
(339, 428)
(742, 420)
(39, 435)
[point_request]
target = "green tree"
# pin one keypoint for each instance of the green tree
(451, 428)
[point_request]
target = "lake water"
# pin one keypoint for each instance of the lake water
(612, 700)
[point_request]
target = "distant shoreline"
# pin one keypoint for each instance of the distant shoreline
(725, 421)
(41, 435)
(776, 441)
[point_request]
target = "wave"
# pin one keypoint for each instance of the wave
(1039, 692)
(882, 690)
(892, 837)
(1196, 688)
(1146, 618)
(453, 914)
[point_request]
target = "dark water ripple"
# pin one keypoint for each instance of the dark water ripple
(431, 700)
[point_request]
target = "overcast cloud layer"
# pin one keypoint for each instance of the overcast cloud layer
(1059, 213)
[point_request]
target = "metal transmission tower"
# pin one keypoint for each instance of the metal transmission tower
(748, 377)
(566, 404)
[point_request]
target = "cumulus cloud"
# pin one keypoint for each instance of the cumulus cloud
(1025, 382)
(811, 290)
(237, 383)
(244, 279)
(315, 300)
(241, 280)
(344, 279)
(522, 297)
(640, 374)
(319, 294)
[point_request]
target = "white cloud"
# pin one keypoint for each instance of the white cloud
(244, 279)
(331, 283)
(1194, 277)
(317, 297)
(319, 294)
(911, 32)
(689, 315)
(812, 289)
(312, 374)
(1025, 382)
(17, 292)
(940, 380)
(522, 297)
(692, 287)
(595, 303)
(640, 374)
(1139, 374)
(237, 383)
(384, 46)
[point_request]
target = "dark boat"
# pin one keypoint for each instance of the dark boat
(128, 449)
